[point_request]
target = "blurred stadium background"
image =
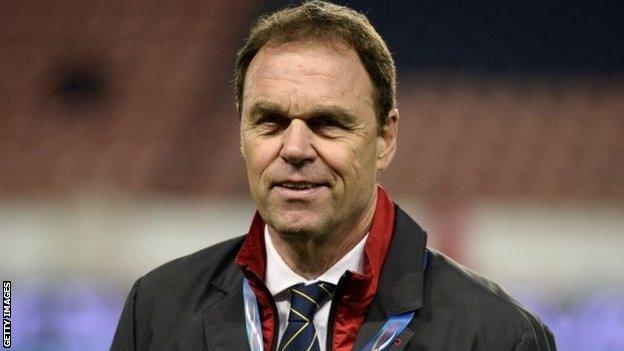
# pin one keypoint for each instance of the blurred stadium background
(119, 151)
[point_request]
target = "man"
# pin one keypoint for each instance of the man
(329, 263)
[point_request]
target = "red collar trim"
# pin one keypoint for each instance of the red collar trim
(252, 255)
(376, 247)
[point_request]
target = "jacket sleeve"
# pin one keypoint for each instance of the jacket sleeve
(541, 339)
(124, 339)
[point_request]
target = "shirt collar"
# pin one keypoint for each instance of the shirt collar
(279, 276)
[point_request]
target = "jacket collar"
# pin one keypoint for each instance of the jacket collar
(401, 284)
(224, 321)
(402, 278)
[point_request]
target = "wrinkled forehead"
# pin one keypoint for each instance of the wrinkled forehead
(308, 71)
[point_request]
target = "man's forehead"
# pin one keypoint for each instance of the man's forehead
(334, 67)
(301, 56)
(338, 45)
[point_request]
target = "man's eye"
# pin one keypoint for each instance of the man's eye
(272, 123)
(268, 120)
(329, 127)
(326, 122)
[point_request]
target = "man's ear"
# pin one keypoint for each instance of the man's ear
(387, 140)
(241, 143)
(241, 148)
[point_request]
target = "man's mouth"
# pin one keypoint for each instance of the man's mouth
(298, 185)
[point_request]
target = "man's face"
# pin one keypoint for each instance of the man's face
(310, 138)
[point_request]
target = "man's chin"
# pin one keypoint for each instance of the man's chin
(297, 227)
(298, 231)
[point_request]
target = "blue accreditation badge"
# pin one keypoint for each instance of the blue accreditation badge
(393, 327)
(252, 318)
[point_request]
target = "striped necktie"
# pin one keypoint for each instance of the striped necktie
(305, 300)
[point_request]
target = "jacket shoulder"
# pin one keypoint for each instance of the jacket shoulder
(475, 300)
(201, 266)
(173, 297)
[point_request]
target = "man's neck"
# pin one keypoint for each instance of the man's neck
(311, 258)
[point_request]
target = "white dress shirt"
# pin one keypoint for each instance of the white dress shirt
(279, 277)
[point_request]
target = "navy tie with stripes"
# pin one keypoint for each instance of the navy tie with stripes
(305, 300)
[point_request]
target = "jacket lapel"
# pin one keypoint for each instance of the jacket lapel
(401, 283)
(375, 319)
(224, 322)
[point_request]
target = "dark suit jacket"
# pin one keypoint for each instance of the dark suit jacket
(196, 303)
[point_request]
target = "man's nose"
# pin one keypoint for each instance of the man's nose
(297, 146)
